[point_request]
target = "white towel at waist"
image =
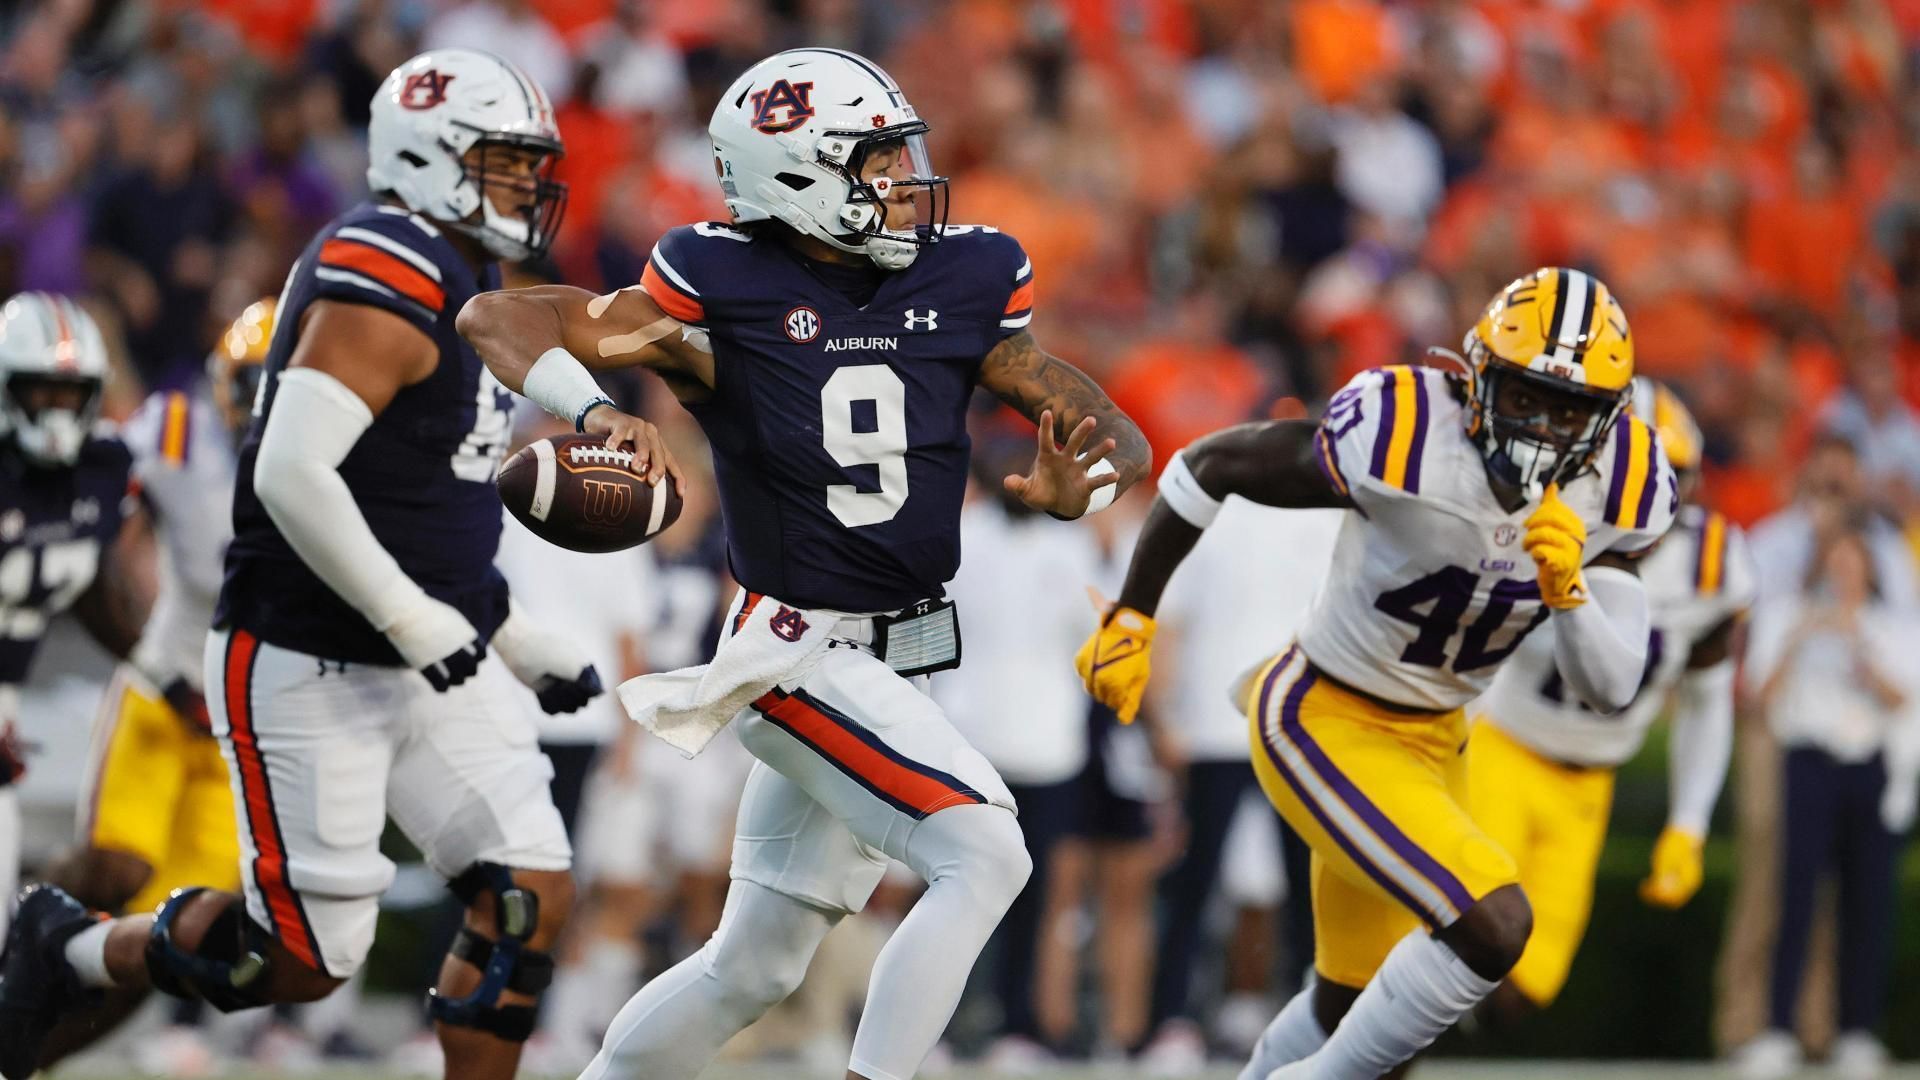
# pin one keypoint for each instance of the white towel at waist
(777, 643)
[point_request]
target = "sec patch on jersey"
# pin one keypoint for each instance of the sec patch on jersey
(572, 491)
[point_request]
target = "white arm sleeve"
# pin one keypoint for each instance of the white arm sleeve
(1701, 747)
(1601, 646)
(314, 423)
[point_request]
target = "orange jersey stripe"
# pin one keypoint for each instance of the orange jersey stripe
(1021, 300)
(671, 299)
(387, 269)
(173, 430)
(270, 866)
(890, 778)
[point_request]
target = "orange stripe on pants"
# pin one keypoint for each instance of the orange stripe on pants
(270, 865)
(894, 781)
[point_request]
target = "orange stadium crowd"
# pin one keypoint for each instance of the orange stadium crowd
(1225, 200)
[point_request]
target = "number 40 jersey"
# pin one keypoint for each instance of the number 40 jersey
(839, 428)
(1430, 590)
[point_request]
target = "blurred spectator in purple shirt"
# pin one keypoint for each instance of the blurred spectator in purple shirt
(154, 247)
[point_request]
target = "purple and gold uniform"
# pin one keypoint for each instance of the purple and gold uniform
(1358, 730)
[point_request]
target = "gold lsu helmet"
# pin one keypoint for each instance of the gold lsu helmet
(236, 364)
(1552, 364)
(1673, 424)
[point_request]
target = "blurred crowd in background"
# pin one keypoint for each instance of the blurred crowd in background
(1232, 206)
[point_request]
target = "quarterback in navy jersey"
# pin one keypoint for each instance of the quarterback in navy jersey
(364, 647)
(828, 340)
(65, 492)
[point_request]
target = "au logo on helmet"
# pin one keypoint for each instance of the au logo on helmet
(795, 98)
(424, 90)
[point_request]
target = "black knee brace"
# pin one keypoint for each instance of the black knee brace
(506, 964)
(228, 970)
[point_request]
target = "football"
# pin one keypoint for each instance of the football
(572, 491)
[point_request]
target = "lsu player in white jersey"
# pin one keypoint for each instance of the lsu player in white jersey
(155, 812)
(1541, 763)
(1482, 506)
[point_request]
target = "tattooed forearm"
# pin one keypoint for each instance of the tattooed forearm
(1031, 380)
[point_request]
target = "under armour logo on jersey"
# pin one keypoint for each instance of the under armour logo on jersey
(803, 324)
(787, 623)
(929, 321)
(424, 90)
(795, 98)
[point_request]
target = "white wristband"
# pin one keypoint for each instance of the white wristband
(562, 385)
(1185, 496)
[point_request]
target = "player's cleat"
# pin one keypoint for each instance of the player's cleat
(36, 983)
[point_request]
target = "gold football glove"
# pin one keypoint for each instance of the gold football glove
(1677, 869)
(1555, 538)
(1113, 663)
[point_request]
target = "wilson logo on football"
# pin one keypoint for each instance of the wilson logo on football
(803, 324)
(424, 90)
(605, 502)
(782, 106)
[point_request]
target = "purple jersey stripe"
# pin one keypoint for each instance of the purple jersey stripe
(1385, 829)
(1300, 687)
(1419, 431)
(1644, 512)
(1383, 436)
(1618, 485)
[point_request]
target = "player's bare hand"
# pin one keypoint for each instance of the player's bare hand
(1058, 482)
(651, 458)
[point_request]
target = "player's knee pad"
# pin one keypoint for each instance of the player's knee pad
(228, 969)
(505, 963)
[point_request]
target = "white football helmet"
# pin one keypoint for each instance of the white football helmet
(49, 341)
(789, 138)
(436, 107)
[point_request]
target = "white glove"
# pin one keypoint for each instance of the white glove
(1898, 802)
(437, 641)
(558, 672)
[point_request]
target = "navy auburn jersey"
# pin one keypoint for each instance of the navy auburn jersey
(422, 475)
(838, 428)
(54, 526)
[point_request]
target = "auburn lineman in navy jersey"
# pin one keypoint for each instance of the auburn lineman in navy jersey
(828, 342)
(348, 672)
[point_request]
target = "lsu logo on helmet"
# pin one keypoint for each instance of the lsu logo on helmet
(795, 98)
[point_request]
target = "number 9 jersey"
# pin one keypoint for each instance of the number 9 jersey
(839, 428)
(1429, 588)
